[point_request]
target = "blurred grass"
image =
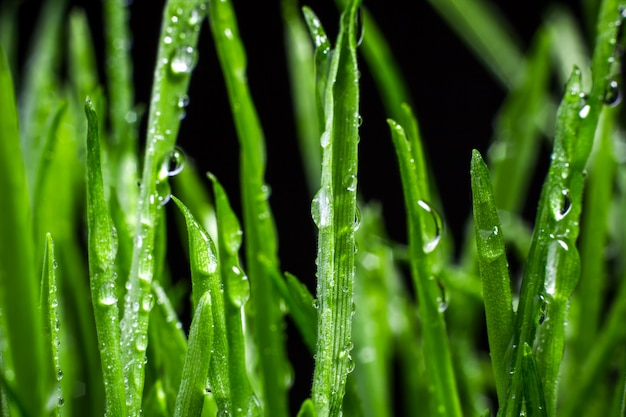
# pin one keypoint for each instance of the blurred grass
(91, 320)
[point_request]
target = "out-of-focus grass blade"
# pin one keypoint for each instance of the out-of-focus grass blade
(205, 277)
(485, 31)
(39, 94)
(513, 154)
(193, 384)
(176, 59)
(236, 295)
(8, 32)
(82, 60)
(435, 341)
(102, 247)
(49, 305)
(494, 271)
(17, 257)
(300, 60)
(302, 310)
(261, 244)
(307, 409)
(190, 188)
(168, 346)
(334, 211)
(570, 46)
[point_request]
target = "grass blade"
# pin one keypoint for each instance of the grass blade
(334, 210)
(236, 295)
(17, 256)
(102, 247)
(261, 245)
(435, 342)
(196, 368)
(494, 272)
(175, 61)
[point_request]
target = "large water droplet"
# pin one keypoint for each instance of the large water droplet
(175, 162)
(613, 94)
(584, 112)
(183, 60)
(431, 241)
(108, 294)
(238, 287)
(320, 208)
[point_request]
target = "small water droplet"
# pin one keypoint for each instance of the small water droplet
(351, 365)
(146, 302)
(61, 402)
(195, 17)
(613, 94)
(141, 343)
(175, 162)
(442, 302)
(183, 60)
(357, 218)
(584, 112)
(316, 303)
(435, 237)
(564, 205)
(325, 139)
(167, 40)
(181, 105)
(59, 375)
(350, 182)
(131, 116)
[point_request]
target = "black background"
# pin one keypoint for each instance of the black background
(455, 100)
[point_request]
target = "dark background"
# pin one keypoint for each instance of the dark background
(455, 100)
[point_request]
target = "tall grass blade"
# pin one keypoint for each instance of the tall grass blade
(435, 342)
(193, 385)
(494, 272)
(17, 258)
(334, 211)
(261, 244)
(102, 247)
(176, 59)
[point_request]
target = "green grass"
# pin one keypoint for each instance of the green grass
(91, 313)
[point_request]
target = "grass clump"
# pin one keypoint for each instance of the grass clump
(91, 320)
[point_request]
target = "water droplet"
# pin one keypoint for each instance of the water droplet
(442, 302)
(183, 60)
(238, 287)
(435, 237)
(564, 205)
(108, 294)
(195, 17)
(350, 181)
(175, 162)
(321, 209)
(146, 302)
(584, 112)
(351, 365)
(316, 303)
(141, 343)
(61, 402)
(359, 26)
(325, 139)
(357, 218)
(167, 40)
(613, 94)
(131, 116)
(59, 375)
(181, 105)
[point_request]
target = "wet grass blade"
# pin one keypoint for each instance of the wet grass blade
(193, 384)
(236, 294)
(334, 211)
(435, 341)
(49, 306)
(206, 277)
(494, 272)
(261, 242)
(102, 248)
(176, 59)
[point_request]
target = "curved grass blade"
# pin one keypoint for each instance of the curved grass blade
(236, 294)
(205, 277)
(102, 248)
(49, 306)
(494, 272)
(307, 409)
(533, 390)
(261, 244)
(435, 342)
(17, 257)
(334, 210)
(175, 61)
(196, 368)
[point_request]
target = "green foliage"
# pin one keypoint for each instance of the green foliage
(90, 323)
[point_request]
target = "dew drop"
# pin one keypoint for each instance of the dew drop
(442, 302)
(167, 40)
(325, 139)
(357, 218)
(61, 402)
(175, 162)
(181, 104)
(431, 244)
(350, 181)
(564, 206)
(584, 112)
(146, 302)
(316, 303)
(613, 94)
(351, 365)
(59, 375)
(359, 26)
(108, 294)
(320, 208)
(141, 343)
(195, 17)
(183, 60)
